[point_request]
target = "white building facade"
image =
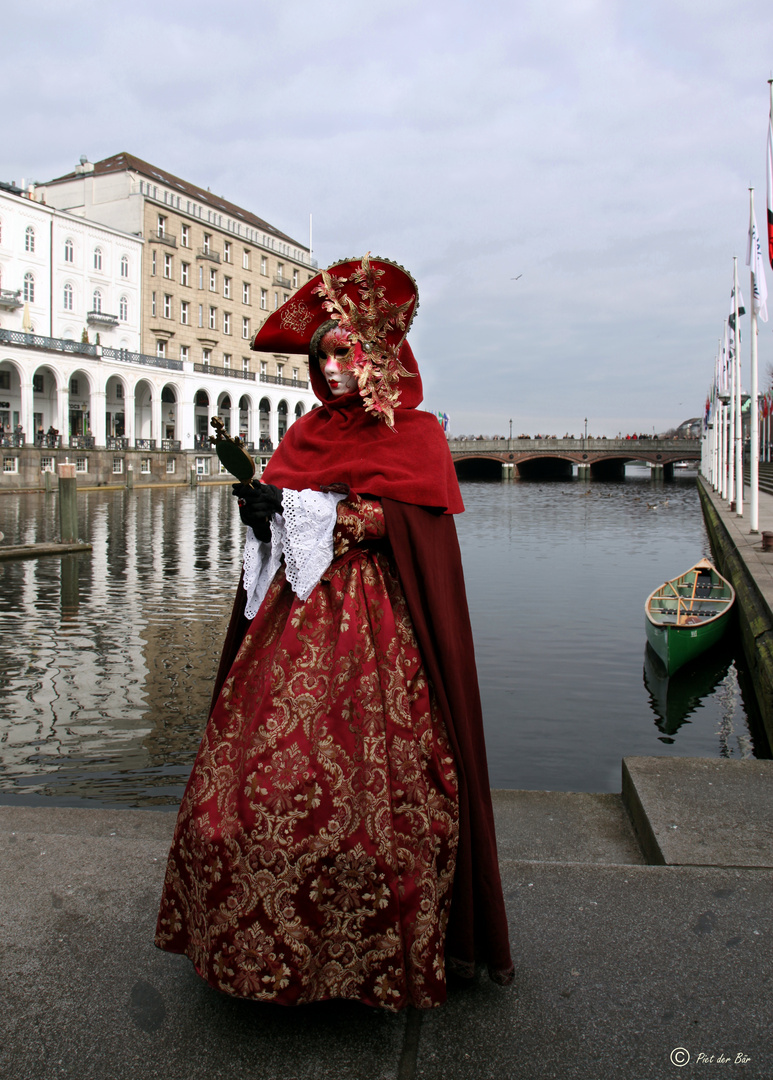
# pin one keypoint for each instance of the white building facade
(75, 310)
(69, 301)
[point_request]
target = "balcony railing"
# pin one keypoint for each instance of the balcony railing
(279, 380)
(85, 348)
(170, 444)
(126, 357)
(46, 441)
(82, 442)
(204, 253)
(10, 300)
(36, 341)
(117, 442)
(144, 444)
(285, 282)
(163, 237)
(16, 438)
(201, 442)
(226, 372)
(101, 318)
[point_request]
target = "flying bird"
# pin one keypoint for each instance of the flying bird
(516, 278)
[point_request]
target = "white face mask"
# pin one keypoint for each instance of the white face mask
(332, 353)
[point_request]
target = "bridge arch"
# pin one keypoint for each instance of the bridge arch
(478, 467)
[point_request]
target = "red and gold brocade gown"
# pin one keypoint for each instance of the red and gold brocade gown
(315, 846)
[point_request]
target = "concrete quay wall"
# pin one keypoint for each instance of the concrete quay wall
(741, 559)
(30, 465)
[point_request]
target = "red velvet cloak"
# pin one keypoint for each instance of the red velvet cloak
(411, 470)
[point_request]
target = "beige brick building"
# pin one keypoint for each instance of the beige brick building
(211, 274)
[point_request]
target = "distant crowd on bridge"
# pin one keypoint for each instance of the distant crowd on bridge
(597, 438)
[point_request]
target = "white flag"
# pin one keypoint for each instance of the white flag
(754, 260)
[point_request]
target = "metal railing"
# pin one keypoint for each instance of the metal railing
(144, 444)
(117, 442)
(45, 441)
(283, 281)
(231, 373)
(126, 357)
(85, 348)
(170, 444)
(279, 380)
(163, 237)
(82, 442)
(203, 253)
(36, 341)
(15, 439)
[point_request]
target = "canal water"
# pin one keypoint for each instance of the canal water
(107, 660)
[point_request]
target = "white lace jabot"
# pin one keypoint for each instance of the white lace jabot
(303, 535)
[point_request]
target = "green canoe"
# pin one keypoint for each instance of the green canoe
(688, 614)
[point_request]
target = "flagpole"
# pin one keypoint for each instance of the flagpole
(726, 414)
(731, 427)
(738, 414)
(717, 415)
(754, 420)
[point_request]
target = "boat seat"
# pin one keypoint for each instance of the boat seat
(703, 585)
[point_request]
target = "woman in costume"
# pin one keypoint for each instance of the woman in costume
(336, 838)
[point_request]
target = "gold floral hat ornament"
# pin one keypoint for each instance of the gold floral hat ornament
(374, 302)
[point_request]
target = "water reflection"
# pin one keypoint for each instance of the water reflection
(107, 676)
(675, 698)
(108, 658)
(69, 590)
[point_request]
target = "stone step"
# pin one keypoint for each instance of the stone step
(701, 811)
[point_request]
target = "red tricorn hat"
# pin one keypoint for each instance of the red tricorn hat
(374, 299)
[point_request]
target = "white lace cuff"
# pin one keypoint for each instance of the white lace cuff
(303, 534)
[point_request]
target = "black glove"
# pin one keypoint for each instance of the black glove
(257, 505)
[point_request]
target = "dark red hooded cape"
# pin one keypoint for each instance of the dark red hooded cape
(411, 471)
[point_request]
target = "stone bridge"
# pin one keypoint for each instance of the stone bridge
(599, 458)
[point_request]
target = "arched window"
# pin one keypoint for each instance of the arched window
(123, 309)
(29, 239)
(68, 298)
(69, 251)
(29, 287)
(97, 258)
(124, 266)
(97, 305)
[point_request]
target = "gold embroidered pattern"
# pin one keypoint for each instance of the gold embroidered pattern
(314, 851)
(295, 316)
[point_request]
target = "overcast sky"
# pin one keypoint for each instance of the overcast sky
(601, 150)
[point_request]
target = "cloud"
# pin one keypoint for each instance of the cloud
(603, 153)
